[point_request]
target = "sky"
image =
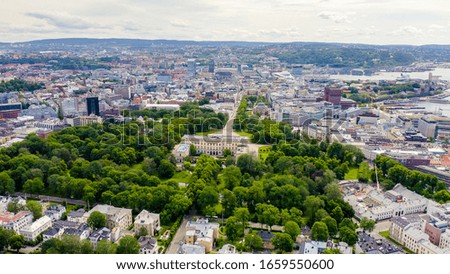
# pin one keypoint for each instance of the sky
(415, 22)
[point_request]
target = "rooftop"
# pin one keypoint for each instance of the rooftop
(312, 247)
(406, 220)
(191, 249)
(371, 246)
(11, 217)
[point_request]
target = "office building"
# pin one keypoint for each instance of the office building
(93, 106)
(10, 111)
(69, 106)
(211, 67)
(192, 66)
(333, 95)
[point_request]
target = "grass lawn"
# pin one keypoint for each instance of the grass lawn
(352, 174)
(208, 132)
(244, 134)
(385, 234)
(181, 177)
(263, 152)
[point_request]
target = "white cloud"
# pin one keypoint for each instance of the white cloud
(62, 20)
(334, 16)
(406, 21)
(435, 27)
(179, 23)
(407, 31)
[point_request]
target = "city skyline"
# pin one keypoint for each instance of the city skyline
(344, 21)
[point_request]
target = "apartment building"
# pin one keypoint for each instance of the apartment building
(31, 231)
(115, 217)
(149, 221)
(15, 221)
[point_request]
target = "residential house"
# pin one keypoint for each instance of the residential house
(82, 231)
(191, 249)
(202, 232)
(76, 216)
(312, 247)
(227, 249)
(55, 212)
(100, 234)
(52, 233)
(148, 245)
(147, 220)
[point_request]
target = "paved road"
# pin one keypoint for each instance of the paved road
(228, 129)
(259, 226)
(179, 236)
(51, 198)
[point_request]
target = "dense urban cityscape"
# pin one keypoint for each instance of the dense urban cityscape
(178, 147)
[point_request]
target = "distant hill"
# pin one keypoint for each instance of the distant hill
(136, 42)
(335, 55)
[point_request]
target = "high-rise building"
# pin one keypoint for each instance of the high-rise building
(123, 90)
(211, 66)
(333, 95)
(192, 67)
(69, 106)
(239, 68)
(93, 106)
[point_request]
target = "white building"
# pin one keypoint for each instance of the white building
(427, 126)
(148, 245)
(52, 233)
(15, 221)
(203, 233)
(181, 152)
(399, 224)
(76, 216)
(445, 240)
(115, 217)
(149, 221)
(30, 232)
(100, 235)
(55, 212)
(215, 144)
(412, 237)
(394, 203)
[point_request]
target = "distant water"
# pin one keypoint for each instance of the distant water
(443, 72)
(443, 109)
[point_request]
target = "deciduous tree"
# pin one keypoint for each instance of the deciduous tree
(36, 209)
(283, 242)
(319, 231)
(128, 245)
(96, 220)
(292, 229)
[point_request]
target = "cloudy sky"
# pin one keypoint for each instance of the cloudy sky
(360, 21)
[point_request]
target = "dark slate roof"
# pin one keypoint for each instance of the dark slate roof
(51, 232)
(265, 235)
